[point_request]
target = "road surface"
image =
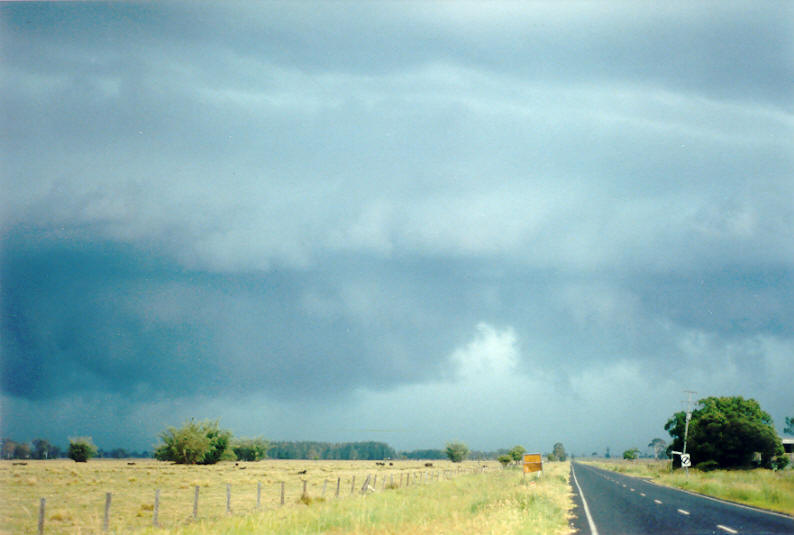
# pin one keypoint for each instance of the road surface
(608, 503)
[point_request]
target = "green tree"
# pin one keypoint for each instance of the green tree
(517, 453)
(81, 449)
(559, 452)
(631, 454)
(195, 443)
(457, 451)
(659, 445)
(505, 459)
(789, 429)
(250, 449)
(41, 449)
(727, 431)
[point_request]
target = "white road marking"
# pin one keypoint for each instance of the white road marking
(726, 528)
(642, 494)
(632, 490)
(593, 530)
(658, 501)
(683, 512)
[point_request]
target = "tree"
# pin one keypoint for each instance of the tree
(631, 454)
(195, 443)
(606, 453)
(81, 449)
(250, 449)
(41, 449)
(22, 451)
(727, 431)
(559, 452)
(8, 448)
(517, 453)
(505, 459)
(457, 451)
(658, 446)
(789, 429)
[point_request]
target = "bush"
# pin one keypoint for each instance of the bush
(195, 443)
(250, 449)
(81, 449)
(505, 459)
(457, 451)
(708, 466)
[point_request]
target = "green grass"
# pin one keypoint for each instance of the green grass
(767, 489)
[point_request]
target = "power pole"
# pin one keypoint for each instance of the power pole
(689, 393)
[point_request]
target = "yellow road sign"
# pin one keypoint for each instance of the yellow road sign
(533, 462)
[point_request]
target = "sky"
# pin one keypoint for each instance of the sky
(500, 223)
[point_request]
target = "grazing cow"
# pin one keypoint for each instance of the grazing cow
(428, 464)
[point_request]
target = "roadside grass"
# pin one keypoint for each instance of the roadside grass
(767, 489)
(442, 498)
(479, 503)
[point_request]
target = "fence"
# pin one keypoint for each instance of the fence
(332, 488)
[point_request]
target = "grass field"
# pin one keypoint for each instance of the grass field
(444, 498)
(761, 488)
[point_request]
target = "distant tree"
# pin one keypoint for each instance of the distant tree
(81, 449)
(22, 450)
(517, 453)
(559, 452)
(631, 454)
(505, 459)
(457, 451)
(789, 429)
(41, 449)
(195, 443)
(250, 449)
(594, 454)
(606, 454)
(727, 431)
(8, 447)
(658, 446)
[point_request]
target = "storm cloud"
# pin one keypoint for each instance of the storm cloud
(404, 216)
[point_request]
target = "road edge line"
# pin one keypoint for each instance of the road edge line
(593, 530)
(692, 493)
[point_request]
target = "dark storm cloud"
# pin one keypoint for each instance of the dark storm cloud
(310, 202)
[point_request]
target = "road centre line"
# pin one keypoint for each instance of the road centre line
(642, 494)
(726, 528)
(593, 530)
(658, 501)
(683, 512)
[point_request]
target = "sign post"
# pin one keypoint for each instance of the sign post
(533, 462)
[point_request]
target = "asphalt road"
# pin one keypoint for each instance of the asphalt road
(608, 503)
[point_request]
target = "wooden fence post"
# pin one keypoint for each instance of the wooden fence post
(304, 494)
(282, 493)
(106, 521)
(353, 485)
(42, 505)
(195, 503)
(258, 494)
(228, 498)
(375, 481)
(338, 484)
(156, 510)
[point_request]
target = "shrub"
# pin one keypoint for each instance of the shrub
(457, 451)
(195, 443)
(708, 466)
(505, 459)
(81, 449)
(250, 449)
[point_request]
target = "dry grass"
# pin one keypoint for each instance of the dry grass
(761, 488)
(76, 495)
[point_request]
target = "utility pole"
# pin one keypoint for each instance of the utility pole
(689, 393)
